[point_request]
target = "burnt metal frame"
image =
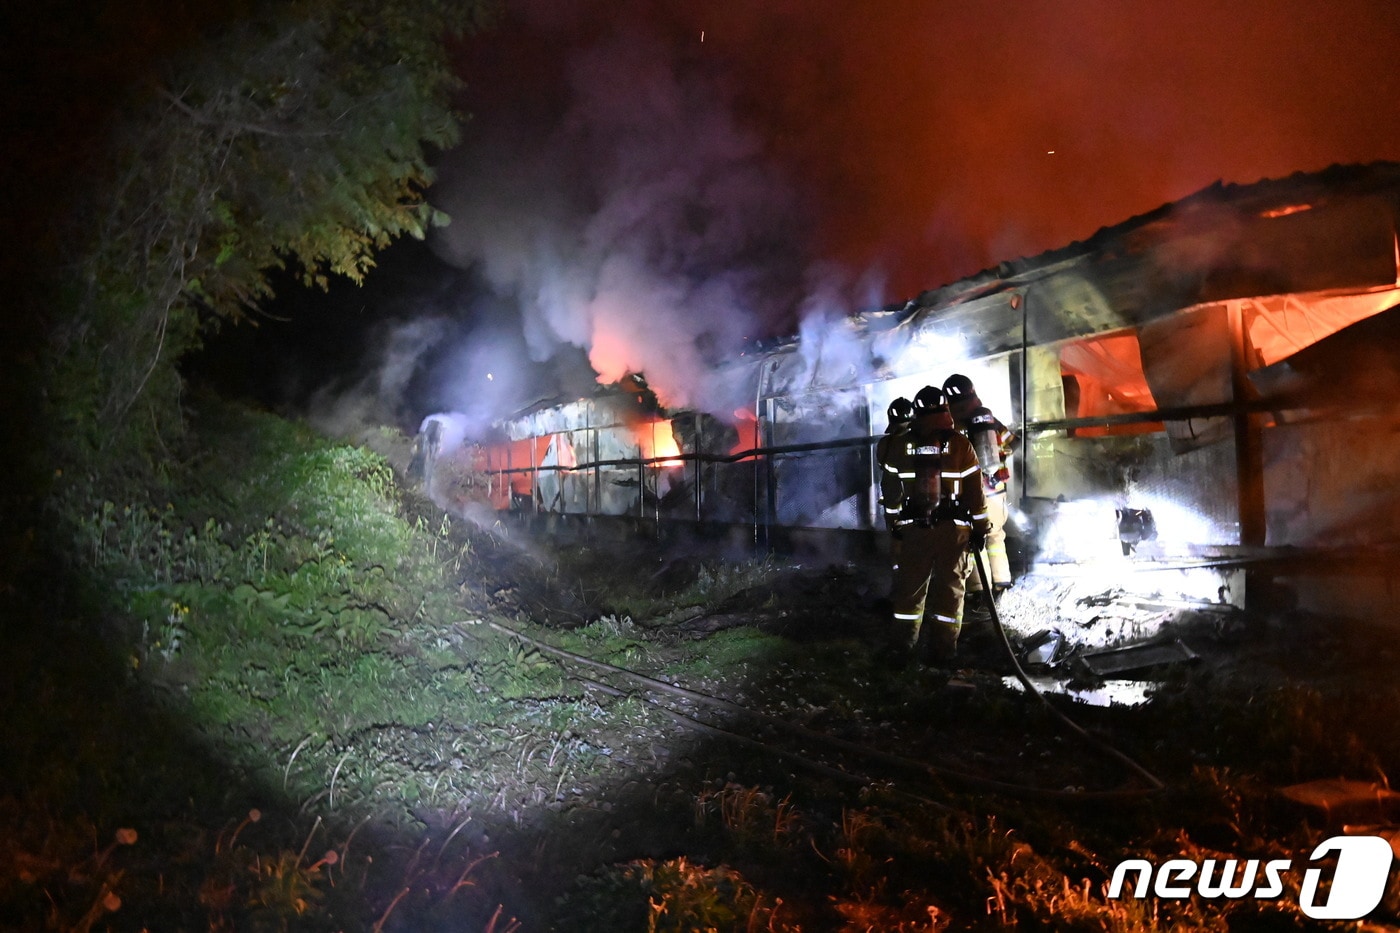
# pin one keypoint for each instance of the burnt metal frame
(1243, 410)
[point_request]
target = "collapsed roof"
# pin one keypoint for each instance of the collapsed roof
(1310, 232)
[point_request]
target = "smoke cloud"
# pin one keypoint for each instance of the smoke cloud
(642, 222)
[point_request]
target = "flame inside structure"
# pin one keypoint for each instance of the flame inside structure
(1285, 211)
(655, 438)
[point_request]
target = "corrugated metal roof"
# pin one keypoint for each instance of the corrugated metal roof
(1305, 233)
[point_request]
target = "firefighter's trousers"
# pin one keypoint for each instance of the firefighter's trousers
(928, 584)
(998, 565)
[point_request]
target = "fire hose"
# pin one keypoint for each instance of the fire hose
(1154, 783)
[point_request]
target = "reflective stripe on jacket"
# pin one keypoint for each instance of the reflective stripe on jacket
(959, 489)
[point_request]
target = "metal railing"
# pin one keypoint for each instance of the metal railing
(765, 488)
(764, 479)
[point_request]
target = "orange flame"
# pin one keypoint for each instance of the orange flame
(1285, 211)
(657, 439)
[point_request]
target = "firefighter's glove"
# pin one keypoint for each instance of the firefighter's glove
(897, 532)
(977, 540)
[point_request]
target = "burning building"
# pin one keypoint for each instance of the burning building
(1208, 386)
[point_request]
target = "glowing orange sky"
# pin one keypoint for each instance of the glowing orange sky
(942, 137)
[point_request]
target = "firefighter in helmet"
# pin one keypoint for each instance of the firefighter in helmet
(901, 412)
(993, 442)
(941, 513)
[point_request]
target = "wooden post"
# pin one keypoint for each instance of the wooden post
(1021, 457)
(1249, 441)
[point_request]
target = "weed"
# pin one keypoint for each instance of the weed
(751, 815)
(857, 855)
(52, 873)
(869, 913)
(673, 896)
(608, 627)
(171, 635)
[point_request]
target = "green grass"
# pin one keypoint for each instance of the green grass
(246, 630)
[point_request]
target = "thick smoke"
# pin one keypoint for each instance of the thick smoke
(482, 369)
(642, 224)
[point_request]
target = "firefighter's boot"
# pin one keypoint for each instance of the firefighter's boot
(942, 642)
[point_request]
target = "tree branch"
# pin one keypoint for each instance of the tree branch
(254, 128)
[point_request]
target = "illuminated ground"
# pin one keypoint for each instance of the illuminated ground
(590, 780)
(740, 755)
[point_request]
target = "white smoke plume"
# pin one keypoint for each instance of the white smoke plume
(643, 225)
(833, 353)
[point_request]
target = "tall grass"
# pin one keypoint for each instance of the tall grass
(229, 636)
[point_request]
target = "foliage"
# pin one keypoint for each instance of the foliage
(318, 566)
(285, 133)
(750, 815)
(674, 896)
(41, 854)
(259, 605)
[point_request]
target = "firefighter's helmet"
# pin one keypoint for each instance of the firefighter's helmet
(901, 411)
(930, 399)
(958, 387)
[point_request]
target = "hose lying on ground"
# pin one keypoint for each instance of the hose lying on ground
(1154, 783)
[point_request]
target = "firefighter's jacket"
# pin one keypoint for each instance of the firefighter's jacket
(891, 488)
(991, 440)
(930, 474)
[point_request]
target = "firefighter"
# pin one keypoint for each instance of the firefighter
(993, 443)
(941, 512)
(901, 412)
